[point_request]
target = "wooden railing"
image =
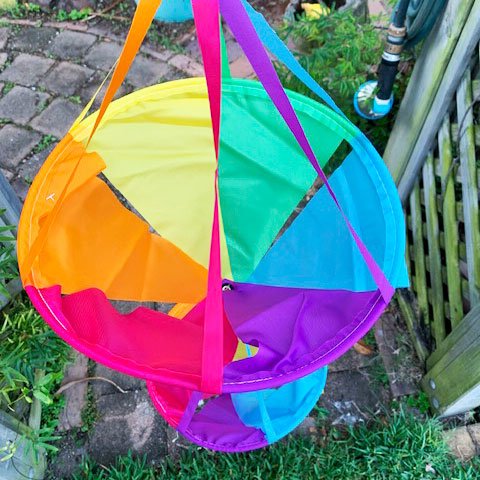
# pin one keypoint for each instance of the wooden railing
(434, 156)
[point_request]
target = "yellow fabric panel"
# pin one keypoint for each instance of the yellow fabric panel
(242, 353)
(158, 147)
(180, 310)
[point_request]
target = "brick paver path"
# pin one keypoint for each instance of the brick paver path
(47, 73)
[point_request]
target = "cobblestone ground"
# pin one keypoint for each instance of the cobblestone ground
(47, 74)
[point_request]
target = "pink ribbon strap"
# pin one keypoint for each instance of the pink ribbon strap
(207, 22)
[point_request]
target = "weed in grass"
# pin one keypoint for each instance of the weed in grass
(44, 143)
(419, 402)
(7, 87)
(89, 412)
(397, 448)
(73, 15)
(164, 41)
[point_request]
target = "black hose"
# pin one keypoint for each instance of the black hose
(387, 71)
(418, 16)
(421, 17)
(400, 13)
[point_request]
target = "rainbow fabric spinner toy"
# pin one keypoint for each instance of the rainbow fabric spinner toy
(207, 196)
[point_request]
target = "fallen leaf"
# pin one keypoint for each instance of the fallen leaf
(362, 348)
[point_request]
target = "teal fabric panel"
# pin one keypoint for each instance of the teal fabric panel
(317, 250)
(399, 273)
(278, 411)
(263, 173)
(174, 11)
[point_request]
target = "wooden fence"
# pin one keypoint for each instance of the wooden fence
(434, 156)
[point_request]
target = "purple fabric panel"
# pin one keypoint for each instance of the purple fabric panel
(217, 426)
(297, 330)
(189, 411)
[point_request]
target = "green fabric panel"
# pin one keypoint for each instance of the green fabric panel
(263, 173)
(225, 66)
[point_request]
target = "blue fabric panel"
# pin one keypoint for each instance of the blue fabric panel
(278, 411)
(174, 11)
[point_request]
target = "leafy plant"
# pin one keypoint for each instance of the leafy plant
(340, 51)
(73, 15)
(28, 345)
(419, 401)
(18, 9)
(44, 143)
(8, 264)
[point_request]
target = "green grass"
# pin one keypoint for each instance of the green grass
(7, 87)
(8, 264)
(7, 5)
(28, 344)
(401, 448)
(44, 143)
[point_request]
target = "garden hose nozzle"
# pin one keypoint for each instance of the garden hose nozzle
(374, 99)
(412, 21)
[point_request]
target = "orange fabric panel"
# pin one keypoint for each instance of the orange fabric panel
(45, 192)
(96, 242)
